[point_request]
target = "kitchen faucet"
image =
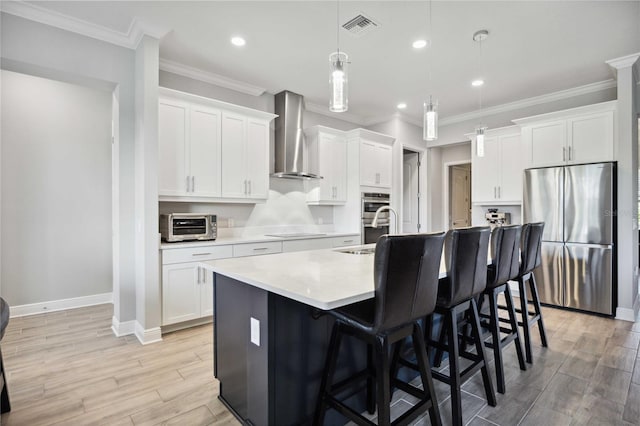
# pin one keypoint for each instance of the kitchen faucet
(381, 209)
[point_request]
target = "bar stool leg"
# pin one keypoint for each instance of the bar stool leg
(524, 308)
(5, 405)
(383, 380)
(419, 347)
(494, 324)
(444, 329)
(538, 309)
(451, 322)
(477, 337)
(327, 377)
(513, 321)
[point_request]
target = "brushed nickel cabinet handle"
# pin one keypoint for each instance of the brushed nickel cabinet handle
(260, 248)
(193, 184)
(564, 154)
(187, 183)
(200, 254)
(249, 187)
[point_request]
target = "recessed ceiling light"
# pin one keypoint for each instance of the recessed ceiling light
(238, 41)
(477, 83)
(419, 44)
(402, 105)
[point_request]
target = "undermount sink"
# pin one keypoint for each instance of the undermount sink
(363, 250)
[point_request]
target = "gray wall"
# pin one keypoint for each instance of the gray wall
(41, 50)
(56, 190)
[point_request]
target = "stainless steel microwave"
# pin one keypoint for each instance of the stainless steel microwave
(188, 227)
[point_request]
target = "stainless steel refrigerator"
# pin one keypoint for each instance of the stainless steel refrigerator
(577, 204)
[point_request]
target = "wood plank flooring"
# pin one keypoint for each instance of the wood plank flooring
(67, 368)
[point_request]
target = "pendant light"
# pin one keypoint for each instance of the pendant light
(479, 37)
(339, 100)
(430, 112)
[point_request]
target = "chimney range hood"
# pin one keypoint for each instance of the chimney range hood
(289, 137)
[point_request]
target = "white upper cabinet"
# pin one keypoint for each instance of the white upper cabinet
(375, 164)
(211, 150)
(496, 177)
(579, 135)
(327, 156)
(376, 157)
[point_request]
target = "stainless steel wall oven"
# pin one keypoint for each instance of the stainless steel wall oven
(371, 202)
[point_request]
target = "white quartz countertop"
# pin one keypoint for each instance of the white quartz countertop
(325, 279)
(221, 241)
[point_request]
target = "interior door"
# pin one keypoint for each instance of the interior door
(459, 200)
(411, 193)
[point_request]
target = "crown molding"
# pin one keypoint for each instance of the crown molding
(344, 116)
(528, 102)
(130, 39)
(372, 121)
(209, 77)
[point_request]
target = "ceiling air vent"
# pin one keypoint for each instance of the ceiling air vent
(360, 25)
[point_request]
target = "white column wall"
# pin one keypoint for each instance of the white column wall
(148, 303)
(627, 214)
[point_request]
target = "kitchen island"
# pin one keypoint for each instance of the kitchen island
(270, 337)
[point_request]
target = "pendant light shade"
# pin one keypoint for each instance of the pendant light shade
(430, 121)
(338, 100)
(480, 141)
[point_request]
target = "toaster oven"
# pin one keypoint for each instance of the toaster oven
(188, 227)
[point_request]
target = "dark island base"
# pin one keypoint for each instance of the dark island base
(277, 383)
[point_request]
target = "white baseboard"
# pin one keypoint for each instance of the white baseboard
(151, 335)
(124, 328)
(60, 305)
(626, 314)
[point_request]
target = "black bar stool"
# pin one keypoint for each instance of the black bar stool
(505, 266)
(530, 248)
(5, 406)
(406, 269)
(466, 253)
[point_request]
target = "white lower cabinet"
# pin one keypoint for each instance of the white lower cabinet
(187, 289)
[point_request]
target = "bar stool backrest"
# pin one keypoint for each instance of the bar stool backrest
(530, 246)
(466, 252)
(406, 270)
(505, 254)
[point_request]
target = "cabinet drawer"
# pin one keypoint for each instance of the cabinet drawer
(311, 244)
(351, 240)
(192, 254)
(255, 249)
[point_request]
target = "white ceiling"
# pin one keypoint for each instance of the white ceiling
(534, 47)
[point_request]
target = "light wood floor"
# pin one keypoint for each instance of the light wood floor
(67, 368)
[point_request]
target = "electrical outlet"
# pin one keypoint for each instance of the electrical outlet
(255, 331)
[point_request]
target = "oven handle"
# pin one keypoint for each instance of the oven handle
(380, 224)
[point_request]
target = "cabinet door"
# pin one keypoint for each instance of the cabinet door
(339, 168)
(180, 293)
(511, 168)
(257, 156)
(206, 293)
(384, 155)
(172, 144)
(548, 143)
(326, 147)
(234, 160)
(484, 171)
(205, 150)
(368, 163)
(591, 138)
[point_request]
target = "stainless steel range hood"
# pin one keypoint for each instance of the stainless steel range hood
(289, 137)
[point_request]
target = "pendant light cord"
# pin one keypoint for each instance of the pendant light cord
(338, 26)
(481, 73)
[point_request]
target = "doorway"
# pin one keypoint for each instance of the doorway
(459, 196)
(410, 191)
